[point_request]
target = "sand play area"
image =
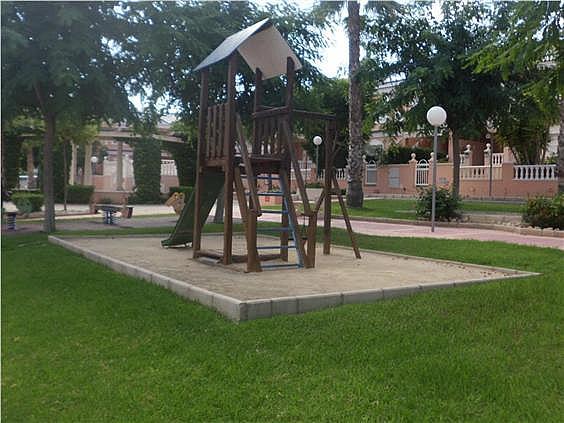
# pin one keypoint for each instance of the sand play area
(337, 279)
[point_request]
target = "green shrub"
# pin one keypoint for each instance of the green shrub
(187, 190)
(447, 205)
(147, 171)
(314, 185)
(79, 194)
(27, 202)
(401, 155)
(545, 212)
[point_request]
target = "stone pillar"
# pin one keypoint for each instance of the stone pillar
(73, 165)
(119, 167)
(88, 164)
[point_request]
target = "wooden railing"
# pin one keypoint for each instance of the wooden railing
(267, 133)
(534, 172)
(215, 132)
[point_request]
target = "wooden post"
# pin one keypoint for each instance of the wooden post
(346, 217)
(229, 142)
(328, 191)
(256, 108)
(197, 233)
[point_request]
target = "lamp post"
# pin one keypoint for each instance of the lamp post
(93, 160)
(317, 140)
(436, 116)
(489, 146)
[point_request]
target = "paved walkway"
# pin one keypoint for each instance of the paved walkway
(159, 215)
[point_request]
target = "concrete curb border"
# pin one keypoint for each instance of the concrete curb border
(528, 230)
(238, 310)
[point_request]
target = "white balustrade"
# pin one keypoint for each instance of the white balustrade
(340, 173)
(497, 159)
(168, 168)
(534, 172)
(480, 172)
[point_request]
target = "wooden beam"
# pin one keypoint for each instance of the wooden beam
(197, 231)
(256, 108)
(248, 167)
(346, 217)
(229, 154)
(292, 216)
(327, 183)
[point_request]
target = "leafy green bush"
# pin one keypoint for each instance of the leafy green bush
(545, 212)
(314, 185)
(447, 205)
(27, 202)
(400, 155)
(79, 194)
(187, 190)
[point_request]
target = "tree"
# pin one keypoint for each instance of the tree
(171, 39)
(430, 57)
(323, 11)
(528, 39)
(59, 58)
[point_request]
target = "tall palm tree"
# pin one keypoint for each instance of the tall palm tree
(324, 11)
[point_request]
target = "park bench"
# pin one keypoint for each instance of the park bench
(110, 210)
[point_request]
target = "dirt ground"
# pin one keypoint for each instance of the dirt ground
(338, 272)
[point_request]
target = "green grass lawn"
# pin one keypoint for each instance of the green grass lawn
(82, 343)
(405, 208)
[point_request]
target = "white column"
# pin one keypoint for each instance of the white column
(119, 166)
(73, 166)
(88, 164)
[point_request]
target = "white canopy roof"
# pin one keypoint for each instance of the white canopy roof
(261, 45)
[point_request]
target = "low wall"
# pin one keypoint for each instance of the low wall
(116, 197)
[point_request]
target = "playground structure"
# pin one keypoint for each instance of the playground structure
(224, 160)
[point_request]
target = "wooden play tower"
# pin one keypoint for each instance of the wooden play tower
(225, 156)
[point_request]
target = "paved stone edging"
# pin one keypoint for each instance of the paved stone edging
(551, 233)
(238, 310)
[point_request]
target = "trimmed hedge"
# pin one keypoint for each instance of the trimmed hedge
(545, 212)
(79, 194)
(27, 202)
(447, 205)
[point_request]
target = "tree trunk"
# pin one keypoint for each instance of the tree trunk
(74, 154)
(48, 189)
(455, 163)
(355, 195)
(30, 168)
(65, 177)
(561, 149)
(87, 164)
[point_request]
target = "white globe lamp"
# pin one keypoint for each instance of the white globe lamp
(436, 116)
(317, 140)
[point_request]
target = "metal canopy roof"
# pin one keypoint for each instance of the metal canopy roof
(261, 45)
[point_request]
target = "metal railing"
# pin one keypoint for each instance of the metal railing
(422, 173)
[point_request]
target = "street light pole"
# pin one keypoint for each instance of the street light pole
(491, 130)
(434, 199)
(436, 116)
(317, 140)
